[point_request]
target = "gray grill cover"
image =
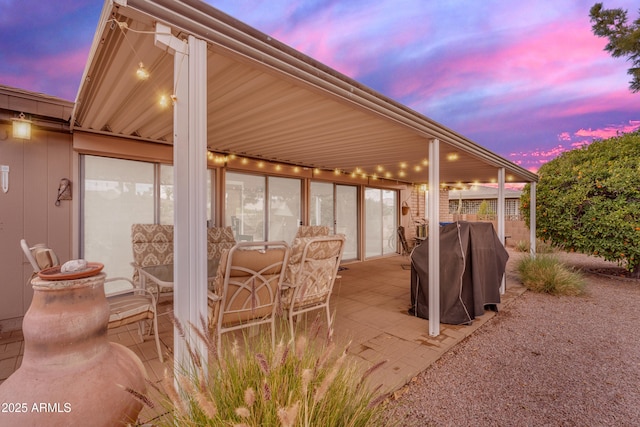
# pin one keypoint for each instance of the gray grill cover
(472, 263)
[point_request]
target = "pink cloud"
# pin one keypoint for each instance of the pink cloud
(534, 158)
(609, 131)
(57, 75)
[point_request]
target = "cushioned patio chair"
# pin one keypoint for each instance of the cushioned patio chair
(246, 289)
(312, 231)
(133, 305)
(310, 276)
(152, 244)
(218, 239)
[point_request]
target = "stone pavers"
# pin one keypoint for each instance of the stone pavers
(370, 302)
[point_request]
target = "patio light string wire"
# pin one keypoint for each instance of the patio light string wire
(122, 26)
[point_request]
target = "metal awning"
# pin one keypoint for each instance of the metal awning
(264, 100)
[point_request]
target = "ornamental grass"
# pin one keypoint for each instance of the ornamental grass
(547, 274)
(309, 382)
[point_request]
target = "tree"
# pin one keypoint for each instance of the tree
(624, 39)
(588, 200)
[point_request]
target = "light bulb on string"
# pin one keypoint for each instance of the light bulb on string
(142, 72)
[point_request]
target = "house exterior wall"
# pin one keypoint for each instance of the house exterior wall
(28, 211)
(415, 199)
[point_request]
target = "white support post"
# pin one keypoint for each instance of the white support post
(434, 238)
(501, 220)
(532, 219)
(190, 184)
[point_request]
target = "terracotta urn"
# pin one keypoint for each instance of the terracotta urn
(70, 373)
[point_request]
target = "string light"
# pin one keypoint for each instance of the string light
(164, 101)
(142, 72)
(357, 172)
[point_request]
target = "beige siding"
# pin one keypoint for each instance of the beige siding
(28, 211)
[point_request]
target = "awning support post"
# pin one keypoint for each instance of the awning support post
(532, 219)
(434, 237)
(501, 220)
(190, 185)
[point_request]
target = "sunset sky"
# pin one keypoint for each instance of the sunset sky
(526, 79)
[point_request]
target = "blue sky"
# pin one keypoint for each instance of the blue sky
(526, 79)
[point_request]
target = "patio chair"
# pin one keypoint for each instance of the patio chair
(133, 305)
(39, 256)
(405, 247)
(152, 244)
(218, 239)
(310, 276)
(312, 231)
(247, 287)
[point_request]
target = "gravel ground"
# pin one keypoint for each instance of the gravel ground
(542, 361)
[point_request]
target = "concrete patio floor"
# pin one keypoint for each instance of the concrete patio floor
(370, 302)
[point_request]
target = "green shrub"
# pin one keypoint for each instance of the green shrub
(306, 383)
(588, 201)
(547, 274)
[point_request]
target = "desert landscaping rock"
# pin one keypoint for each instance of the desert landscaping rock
(543, 360)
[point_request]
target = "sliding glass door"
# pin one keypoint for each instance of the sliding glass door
(253, 201)
(116, 194)
(336, 206)
(284, 208)
(381, 210)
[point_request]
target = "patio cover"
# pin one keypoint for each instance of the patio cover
(264, 100)
(239, 93)
(472, 263)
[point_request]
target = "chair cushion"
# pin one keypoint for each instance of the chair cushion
(45, 258)
(152, 244)
(218, 239)
(312, 231)
(248, 296)
(315, 281)
(317, 249)
(125, 307)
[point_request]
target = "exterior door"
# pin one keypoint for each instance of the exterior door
(336, 206)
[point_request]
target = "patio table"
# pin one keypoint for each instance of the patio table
(162, 275)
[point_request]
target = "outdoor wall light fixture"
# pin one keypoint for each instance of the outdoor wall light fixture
(21, 127)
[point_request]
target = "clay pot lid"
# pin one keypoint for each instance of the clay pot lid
(54, 273)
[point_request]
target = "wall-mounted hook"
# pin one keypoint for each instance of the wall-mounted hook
(64, 191)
